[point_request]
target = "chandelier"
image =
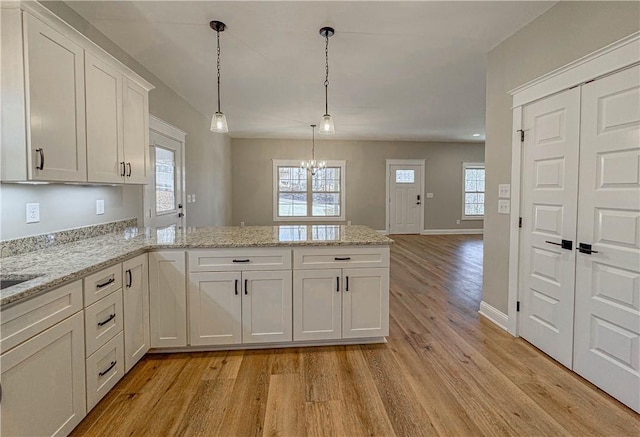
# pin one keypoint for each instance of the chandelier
(312, 166)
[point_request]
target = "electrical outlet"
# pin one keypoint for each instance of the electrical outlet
(193, 198)
(429, 195)
(33, 212)
(100, 207)
(457, 222)
(504, 191)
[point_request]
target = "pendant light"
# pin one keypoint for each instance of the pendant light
(326, 125)
(313, 166)
(218, 121)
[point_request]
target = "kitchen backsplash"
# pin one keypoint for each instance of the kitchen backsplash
(42, 241)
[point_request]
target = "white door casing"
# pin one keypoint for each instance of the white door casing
(549, 205)
(405, 197)
(607, 303)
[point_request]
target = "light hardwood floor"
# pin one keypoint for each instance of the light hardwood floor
(444, 371)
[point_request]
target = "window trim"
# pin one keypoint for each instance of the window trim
(465, 166)
(296, 163)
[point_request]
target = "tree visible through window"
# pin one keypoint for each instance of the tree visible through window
(301, 195)
(473, 180)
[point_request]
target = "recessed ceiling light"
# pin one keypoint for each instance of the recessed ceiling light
(476, 135)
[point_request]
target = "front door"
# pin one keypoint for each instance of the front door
(607, 324)
(405, 199)
(549, 205)
(165, 190)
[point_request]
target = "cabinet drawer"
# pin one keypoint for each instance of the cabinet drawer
(104, 369)
(340, 257)
(226, 260)
(24, 320)
(102, 321)
(102, 283)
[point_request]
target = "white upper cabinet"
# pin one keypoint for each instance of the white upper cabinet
(70, 111)
(105, 157)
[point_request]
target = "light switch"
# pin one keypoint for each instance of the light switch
(100, 207)
(504, 191)
(193, 198)
(429, 195)
(504, 206)
(33, 212)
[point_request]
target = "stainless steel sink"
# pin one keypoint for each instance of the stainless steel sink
(10, 281)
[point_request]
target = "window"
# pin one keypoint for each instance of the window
(165, 180)
(473, 185)
(299, 196)
(405, 176)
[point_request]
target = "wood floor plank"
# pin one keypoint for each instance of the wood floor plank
(285, 410)
(444, 371)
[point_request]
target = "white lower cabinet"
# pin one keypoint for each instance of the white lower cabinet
(240, 307)
(43, 382)
(168, 302)
(135, 295)
(104, 369)
(340, 303)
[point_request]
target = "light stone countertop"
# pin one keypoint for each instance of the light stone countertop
(58, 265)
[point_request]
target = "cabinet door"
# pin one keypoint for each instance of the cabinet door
(266, 307)
(136, 132)
(55, 73)
(136, 309)
(317, 304)
(43, 382)
(365, 303)
(105, 162)
(215, 308)
(168, 299)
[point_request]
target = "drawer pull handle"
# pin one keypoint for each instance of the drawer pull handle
(129, 278)
(347, 285)
(241, 260)
(104, 284)
(40, 151)
(346, 258)
(129, 172)
(122, 169)
(236, 287)
(108, 369)
(246, 286)
(338, 284)
(111, 317)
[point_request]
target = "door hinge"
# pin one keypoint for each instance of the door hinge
(518, 306)
(519, 222)
(521, 135)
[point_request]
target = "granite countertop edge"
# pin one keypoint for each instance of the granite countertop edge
(50, 280)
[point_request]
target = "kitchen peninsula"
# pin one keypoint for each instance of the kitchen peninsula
(87, 311)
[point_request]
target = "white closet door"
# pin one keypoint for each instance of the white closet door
(549, 205)
(607, 323)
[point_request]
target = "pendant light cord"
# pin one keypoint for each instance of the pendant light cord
(218, 52)
(326, 77)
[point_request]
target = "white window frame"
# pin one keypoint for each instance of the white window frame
(294, 163)
(465, 166)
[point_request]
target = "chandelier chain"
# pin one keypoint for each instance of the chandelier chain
(218, 65)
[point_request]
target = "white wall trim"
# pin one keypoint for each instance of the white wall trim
(382, 231)
(494, 315)
(390, 162)
(616, 56)
(607, 60)
(164, 128)
(452, 232)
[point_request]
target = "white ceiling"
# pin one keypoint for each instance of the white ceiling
(398, 70)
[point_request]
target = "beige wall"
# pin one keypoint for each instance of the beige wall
(208, 160)
(365, 173)
(566, 32)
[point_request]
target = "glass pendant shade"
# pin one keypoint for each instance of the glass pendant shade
(326, 125)
(219, 123)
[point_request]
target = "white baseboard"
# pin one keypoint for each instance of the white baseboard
(494, 315)
(452, 232)
(382, 231)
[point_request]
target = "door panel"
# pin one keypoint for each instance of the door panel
(136, 309)
(365, 303)
(136, 132)
(405, 203)
(266, 307)
(168, 302)
(56, 104)
(607, 322)
(317, 304)
(549, 205)
(165, 184)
